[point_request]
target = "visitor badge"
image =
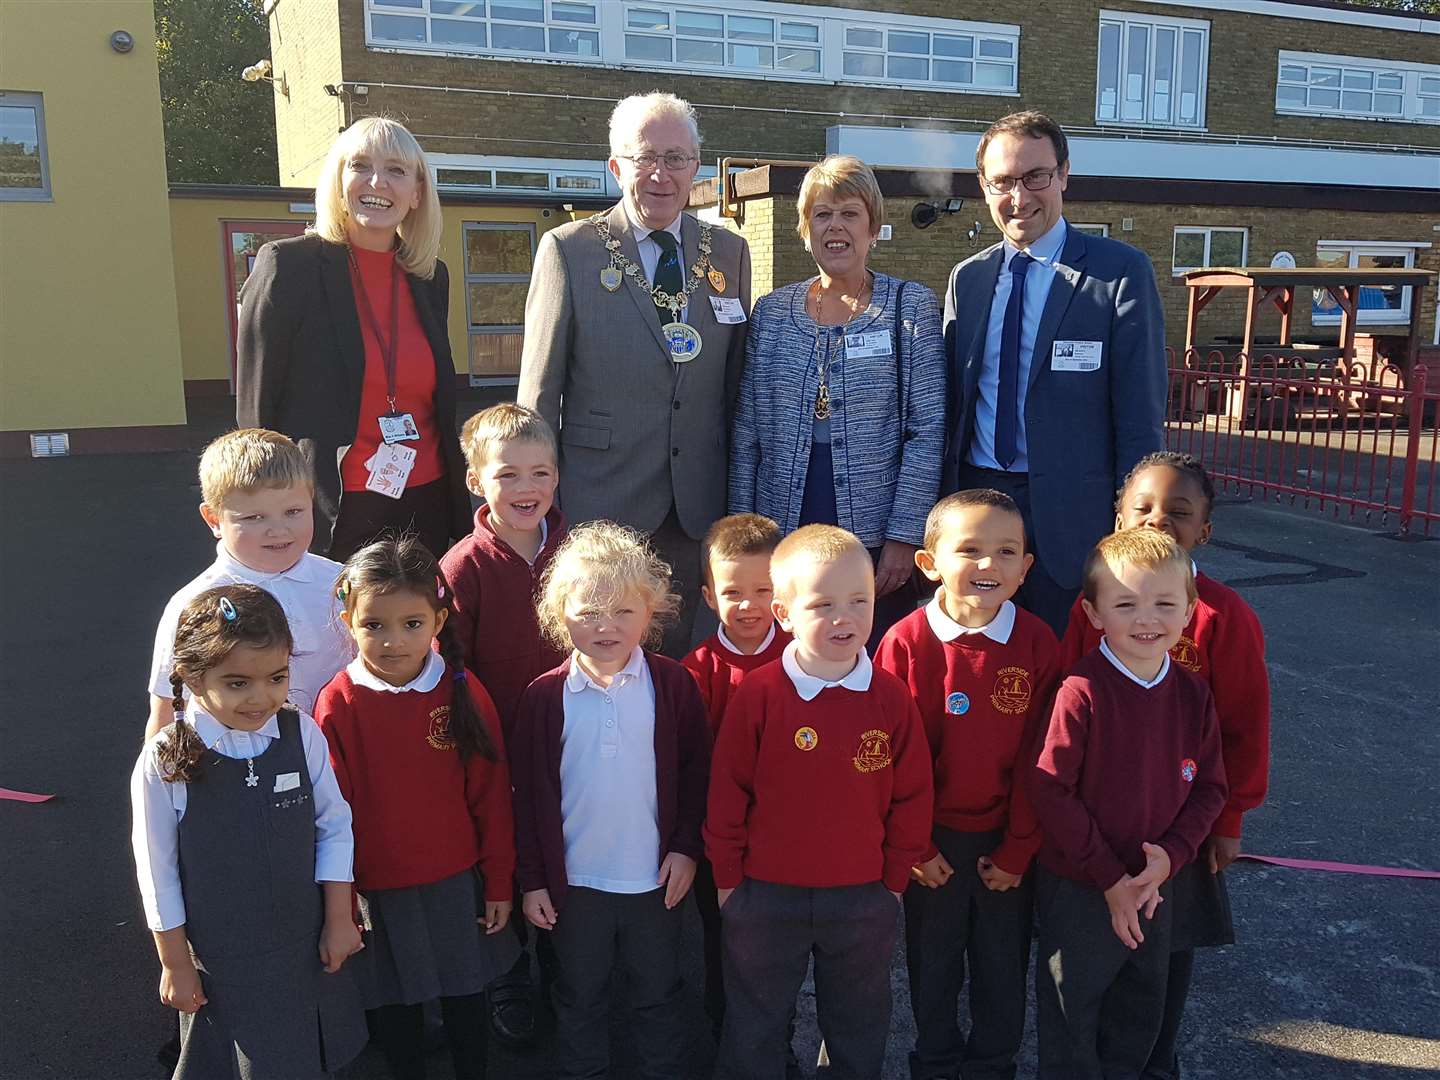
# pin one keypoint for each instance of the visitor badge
(1075, 356)
(287, 781)
(727, 309)
(864, 346)
(389, 469)
(398, 427)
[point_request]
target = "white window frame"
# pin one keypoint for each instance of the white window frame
(548, 27)
(26, 100)
(493, 177)
(487, 329)
(1208, 231)
(613, 17)
(1095, 228)
(1374, 316)
(1151, 90)
(1419, 87)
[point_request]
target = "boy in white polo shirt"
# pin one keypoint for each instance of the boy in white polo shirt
(257, 491)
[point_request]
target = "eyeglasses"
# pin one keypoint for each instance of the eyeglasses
(1035, 180)
(674, 161)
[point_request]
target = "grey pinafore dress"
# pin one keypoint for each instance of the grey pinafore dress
(253, 916)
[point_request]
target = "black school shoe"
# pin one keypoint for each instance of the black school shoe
(512, 1008)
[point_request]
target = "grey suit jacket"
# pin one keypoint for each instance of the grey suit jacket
(638, 433)
(1084, 430)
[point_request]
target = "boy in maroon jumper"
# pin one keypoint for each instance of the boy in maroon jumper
(1128, 783)
(820, 799)
(735, 555)
(982, 672)
(492, 575)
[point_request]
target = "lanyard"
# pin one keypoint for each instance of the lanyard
(388, 346)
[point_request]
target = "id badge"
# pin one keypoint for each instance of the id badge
(1075, 356)
(390, 469)
(398, 427)
(864, 346)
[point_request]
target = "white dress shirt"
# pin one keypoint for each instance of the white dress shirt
(609, 808)
(159, 805)
(1120, 666)
(947, 629)
(809, 686)
(1038, 279)
(306, 592)
(730, 645)
(650, 253)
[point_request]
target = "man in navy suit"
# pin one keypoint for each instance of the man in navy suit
(1056, 343)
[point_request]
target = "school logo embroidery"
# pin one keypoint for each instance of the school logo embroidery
(1186, 653)
(807, 738)
(439, 735)
(874, 752)
(1188, 769)
(1012, 690)
(957, 704)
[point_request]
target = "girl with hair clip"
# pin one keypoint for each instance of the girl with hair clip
(415, 742)
(243, 852)
(612, 759)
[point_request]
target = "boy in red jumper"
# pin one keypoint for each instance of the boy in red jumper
(492, 575)
(982, 672)
(820, 798)
(1128, 784)
(1224, 645)
(735, 555)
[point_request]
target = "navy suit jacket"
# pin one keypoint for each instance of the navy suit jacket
(1084, 430)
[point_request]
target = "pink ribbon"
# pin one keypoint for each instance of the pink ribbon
(23, 796)
(1341, 867)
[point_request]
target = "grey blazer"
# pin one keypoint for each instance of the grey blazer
(1083, 429)
(638, 433)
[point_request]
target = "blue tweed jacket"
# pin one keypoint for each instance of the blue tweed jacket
(887, 430)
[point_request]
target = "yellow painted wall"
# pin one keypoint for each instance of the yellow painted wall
(88, 325)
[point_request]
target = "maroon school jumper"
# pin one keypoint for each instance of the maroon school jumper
(718, 670)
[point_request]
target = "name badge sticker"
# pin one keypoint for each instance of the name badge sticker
(728, 309)
(1075, 356)
(864, 346)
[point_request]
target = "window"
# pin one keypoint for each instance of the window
(1356, 88)
(498, 261)
(559, 28)
(1152, 71)
(975, 60)
(1090, 230)
(712, 39)
(1379, 304)
(1197, 247)
(24, 169)
(520, 178)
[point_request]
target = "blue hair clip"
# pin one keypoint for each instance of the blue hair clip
(227, 609)
(459, 676)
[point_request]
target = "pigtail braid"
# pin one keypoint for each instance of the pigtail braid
(467, 725)
(179, 753)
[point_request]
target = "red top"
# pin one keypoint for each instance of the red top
(493, 594)
(414, 374)
(852, 808)
(719, 670)
(983, 704)
(1122, 765)
(1225, 646)
(420, 814)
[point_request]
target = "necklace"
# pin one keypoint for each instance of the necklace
(682, 340)
(822, 407)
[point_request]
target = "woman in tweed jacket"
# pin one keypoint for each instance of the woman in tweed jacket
(841, 416)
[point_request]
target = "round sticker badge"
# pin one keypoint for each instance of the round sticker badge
(957, 704)
(806, 738)
(1188, 769)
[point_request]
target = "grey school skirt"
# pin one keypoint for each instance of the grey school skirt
(424, 942)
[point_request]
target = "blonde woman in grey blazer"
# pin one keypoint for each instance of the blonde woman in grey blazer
(643, 436)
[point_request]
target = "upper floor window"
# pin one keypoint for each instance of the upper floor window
(561, 28)
(1347, 86)
(908, 54)
(1152, 70)
(24, 170)
(712, 39)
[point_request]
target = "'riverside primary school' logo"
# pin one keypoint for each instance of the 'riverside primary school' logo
(439, 736)
(874, 751)
(1012, 690)
(1188, 769)
(1186, 653)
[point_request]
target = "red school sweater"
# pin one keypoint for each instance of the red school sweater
(984, 705)
(832, 791)
(1224, 645)
(1123, 765)
(493, 594)
(718, 670)
(420, 814)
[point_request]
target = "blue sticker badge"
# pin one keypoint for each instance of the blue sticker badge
(957, 704)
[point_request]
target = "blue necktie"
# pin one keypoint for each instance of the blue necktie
(1007, 398)
(668, 275)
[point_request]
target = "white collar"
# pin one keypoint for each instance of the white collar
(1120, 666)
(947, 629)
(642, 233)
(211, 731)
(301, 571)
(809, 687)
(1045, 250)
(725, 641)
(427, 680)
(578, 678)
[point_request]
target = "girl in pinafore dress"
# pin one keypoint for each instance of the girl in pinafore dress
(415, 742)
(243, 852)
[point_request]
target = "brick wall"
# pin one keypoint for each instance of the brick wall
(305, 47)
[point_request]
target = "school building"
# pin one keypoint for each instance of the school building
(1209, 133)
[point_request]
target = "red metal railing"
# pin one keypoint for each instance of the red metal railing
(1350, 440)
